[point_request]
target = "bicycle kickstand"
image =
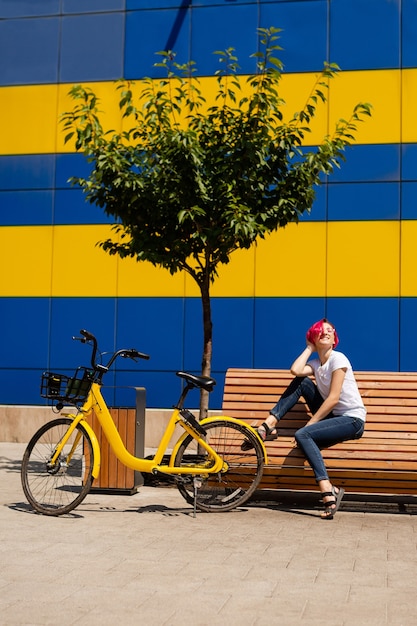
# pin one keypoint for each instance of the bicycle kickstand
(197, 482)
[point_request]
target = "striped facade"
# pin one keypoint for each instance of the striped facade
(353, 259)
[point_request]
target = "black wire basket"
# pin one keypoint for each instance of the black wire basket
(73, 389)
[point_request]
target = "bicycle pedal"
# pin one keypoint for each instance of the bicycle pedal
(183, 480)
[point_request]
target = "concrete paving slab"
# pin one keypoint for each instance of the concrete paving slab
(144, 558)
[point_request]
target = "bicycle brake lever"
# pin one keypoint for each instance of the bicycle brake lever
(134, 355)
(82, 339)
(126, 355)
(141, 355)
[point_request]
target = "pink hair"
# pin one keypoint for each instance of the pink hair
(316, 329)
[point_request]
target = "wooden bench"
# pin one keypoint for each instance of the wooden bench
(383, 461)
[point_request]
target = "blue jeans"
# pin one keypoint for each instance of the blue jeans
(323, 434)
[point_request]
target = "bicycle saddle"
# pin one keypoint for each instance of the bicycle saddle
(205, 382)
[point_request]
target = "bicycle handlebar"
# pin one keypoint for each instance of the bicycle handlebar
(130, 353)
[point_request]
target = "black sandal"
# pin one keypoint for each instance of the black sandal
(331, 507)
(268, 435)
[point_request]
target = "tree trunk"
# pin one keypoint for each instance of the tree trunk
(207, 344)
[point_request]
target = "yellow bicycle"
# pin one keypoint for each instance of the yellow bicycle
(62, 459)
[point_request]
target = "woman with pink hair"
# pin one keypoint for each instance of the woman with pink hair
(337, 410)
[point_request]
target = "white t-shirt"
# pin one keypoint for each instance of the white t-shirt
(350, 401)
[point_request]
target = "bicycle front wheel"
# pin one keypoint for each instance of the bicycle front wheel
(57, 488)
(241, 475)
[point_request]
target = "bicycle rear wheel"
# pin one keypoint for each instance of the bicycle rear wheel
(230, 488)
(56, 489)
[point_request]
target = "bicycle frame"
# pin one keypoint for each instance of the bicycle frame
(96, 401)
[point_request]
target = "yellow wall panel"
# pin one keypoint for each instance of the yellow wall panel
(26, 261)
(236, 278)
(409, 259)
(295, 90)
(409, 106)
(292, 262)
(28, 119)
(338, 259)
(80, 268)
(363, 259)
(30, 113)
(382, 89)
(191, 288)
(144, 280)
(108, 106)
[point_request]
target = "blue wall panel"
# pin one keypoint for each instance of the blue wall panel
(341, 199)
(370, 163)
(409, 161)
(409, 201)
(25, 334)
(409, 33)
(149, 32)
(37, 8)
(234, 30)
(364, 201)
(304, 41)
(280, 324)
(27, 172)
(233, 329)
(71, 208)
(68, 165)
(20, 386)
(157, 4)
(68, 316)
(92, 47)
(162, 388)
(371, 343)
(408, 334)
(26, 207)
(31, 47)
(318, 211)
(154, 326)
(92, 6)
(365, 34)
(29, 8)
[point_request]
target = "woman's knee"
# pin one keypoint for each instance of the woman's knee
(300, 435)
(307, 384)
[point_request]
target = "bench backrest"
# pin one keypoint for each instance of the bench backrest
(390, 399)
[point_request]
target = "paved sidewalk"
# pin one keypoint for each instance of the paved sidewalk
(146, 559)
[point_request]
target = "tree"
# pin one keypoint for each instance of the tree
(189, 183)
